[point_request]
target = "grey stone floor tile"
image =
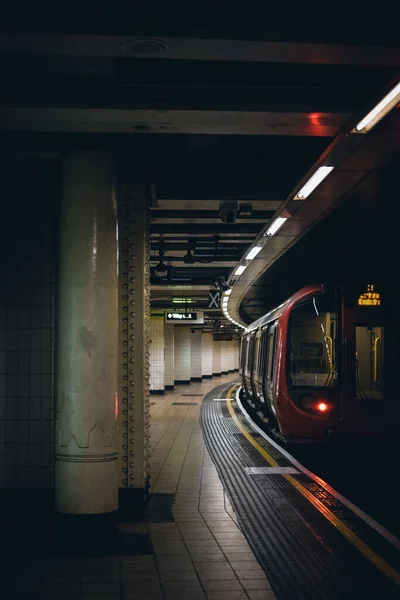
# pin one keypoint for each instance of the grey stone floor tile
(100, 588)
(165, 537)
(142, 595)
(136, 559)
(140, 588)
(139, 577)
(240, 556)
(179, 576)
(238, 595)
(202, 544)
(132, 569)
(250, 573)
(182, 586)
(100, 597)
(226, 585)
(255, 584)
(211, 557)
(184, 596)
(198, 536)
(261, 595)
(97, 576)
(245, 564)
(215, 575)
(175, 566)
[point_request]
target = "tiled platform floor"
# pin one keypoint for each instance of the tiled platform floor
(200, 554)
(203, 554)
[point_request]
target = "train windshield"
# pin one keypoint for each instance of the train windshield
(313, 343)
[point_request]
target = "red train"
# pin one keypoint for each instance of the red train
(315, 366)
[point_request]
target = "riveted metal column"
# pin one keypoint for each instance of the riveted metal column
(134, 344)
(87, 407)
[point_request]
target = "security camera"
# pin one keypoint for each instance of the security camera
(222, 285)
(160, 269)
(227, 212)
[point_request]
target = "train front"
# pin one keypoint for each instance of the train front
(332, 385)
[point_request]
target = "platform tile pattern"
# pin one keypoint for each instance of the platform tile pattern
(202, 554)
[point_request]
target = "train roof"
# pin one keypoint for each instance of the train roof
(275, 313)
(272, 315)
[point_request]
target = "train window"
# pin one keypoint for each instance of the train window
(263, 352)
(257, 354)
(243, 354)
(313, 344)
(271, 352)
(264, 357)
(250, 354)
(369, 363)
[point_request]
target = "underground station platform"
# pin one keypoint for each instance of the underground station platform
(230, 515)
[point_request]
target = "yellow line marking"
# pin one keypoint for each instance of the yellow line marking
(361, 546)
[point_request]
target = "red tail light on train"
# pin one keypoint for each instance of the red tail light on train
(318, 405)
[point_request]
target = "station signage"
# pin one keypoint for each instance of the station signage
(370, 297)
(172, 316)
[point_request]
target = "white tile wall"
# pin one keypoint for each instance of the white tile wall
(207, 355)
(225, 356)
(183, 367)
(195, 353)
(169, 354)
(229, 352)
(27, 307)
(237, 354)
(157, 349)
(216, 358)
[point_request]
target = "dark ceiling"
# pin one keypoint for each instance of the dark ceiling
(222, 115)
(354, 245)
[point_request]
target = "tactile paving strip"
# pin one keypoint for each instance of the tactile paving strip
(295, 556)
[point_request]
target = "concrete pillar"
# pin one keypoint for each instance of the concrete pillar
(86, 466)
(225, 357)
(195, 355)
(169, 356)
(207, 356)
(216, 358)
(183, 367)
(157, 355)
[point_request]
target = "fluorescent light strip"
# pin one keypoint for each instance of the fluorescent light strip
(380, 110)
(253, 252)
(228, 292)
(313, 182)
(275, 226)
(240, 269)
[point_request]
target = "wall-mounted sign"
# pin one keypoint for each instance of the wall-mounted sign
(214, 300)
(370, 297)
(172, 316)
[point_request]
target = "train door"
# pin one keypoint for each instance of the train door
(254, 372)
(269, 371)
(364, 369)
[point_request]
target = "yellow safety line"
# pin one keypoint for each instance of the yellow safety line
(376, 560)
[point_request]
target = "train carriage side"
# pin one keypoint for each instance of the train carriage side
(307, 388)
(316, 368)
